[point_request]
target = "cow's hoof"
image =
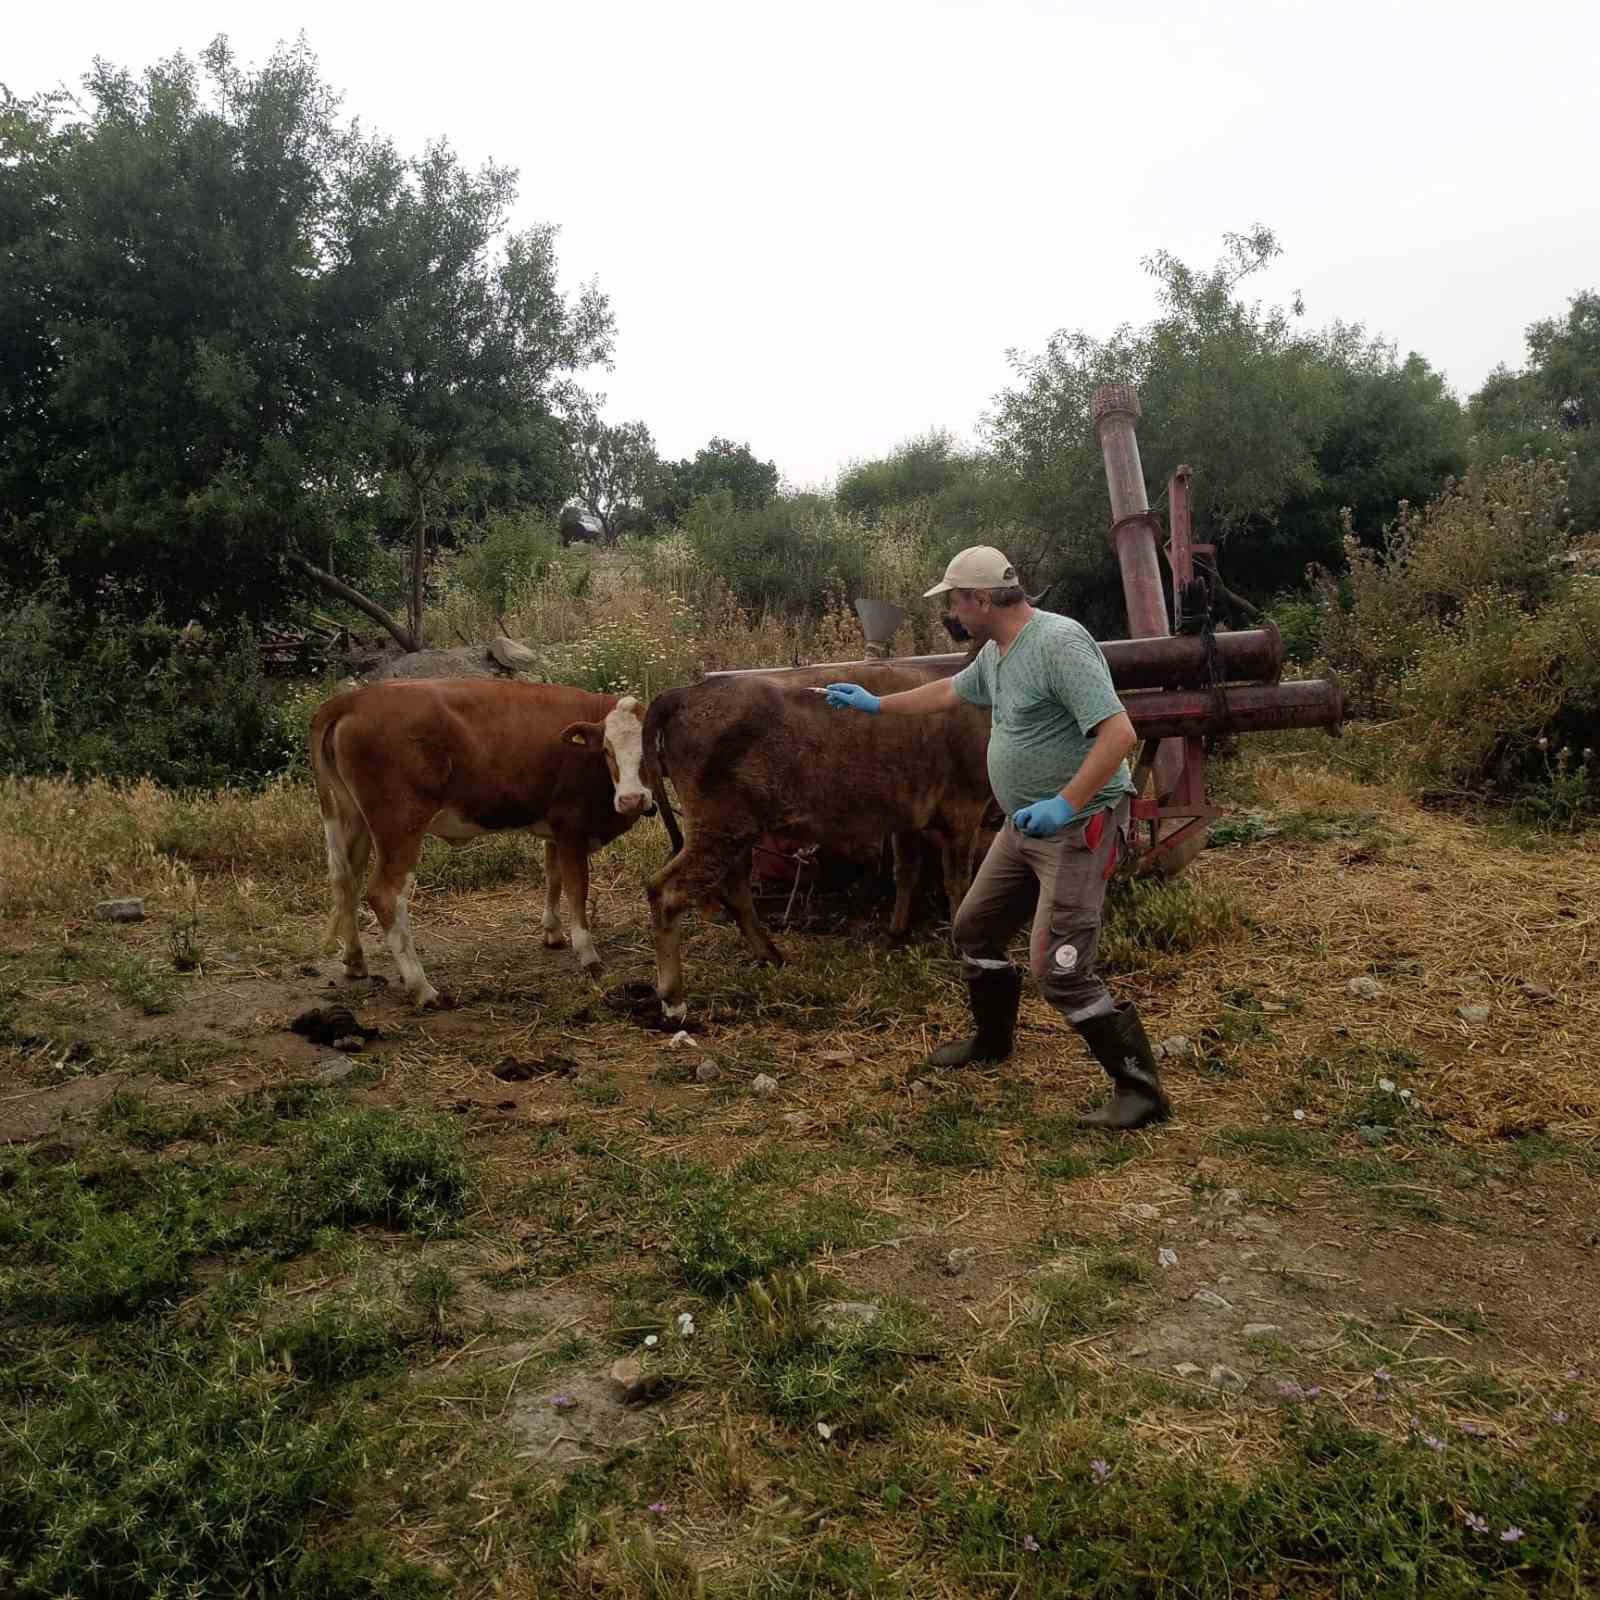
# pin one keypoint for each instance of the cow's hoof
(773, 957)
(556, 940)
(675, 1013)
(898, 938)
(429, 999)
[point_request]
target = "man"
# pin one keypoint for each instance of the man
(1057, 768)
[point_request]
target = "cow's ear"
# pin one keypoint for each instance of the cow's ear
(588, 735)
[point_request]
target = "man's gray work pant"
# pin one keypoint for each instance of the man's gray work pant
(1061, 883)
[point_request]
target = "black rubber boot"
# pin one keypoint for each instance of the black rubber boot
(994, 993)
(1117, 1041)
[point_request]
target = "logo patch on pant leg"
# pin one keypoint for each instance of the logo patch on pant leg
(1066, 957)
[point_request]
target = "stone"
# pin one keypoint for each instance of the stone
(633, 1384)
(1140, 1212)
(796, 1121)
(131, 910)
(335, 1071)
(1224, 1377)
(960, 1260)
(1187, 1369)
(1536, 991)
(1176, 1048)
(1210, 1297)
(707, 1072)
(512, 656)
(1473, 1014)
(1261, 1330)
(922, 1089)
(858, 1312)
(1365, 988)
(763, 1084)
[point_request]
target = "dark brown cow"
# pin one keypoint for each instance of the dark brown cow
(959, 854)
(456, 758)
(751, 756)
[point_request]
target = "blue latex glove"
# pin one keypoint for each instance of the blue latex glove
(1045, 817)
(853, 696)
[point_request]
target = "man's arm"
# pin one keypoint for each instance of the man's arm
(937, 695)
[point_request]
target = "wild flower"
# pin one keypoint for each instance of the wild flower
(1476, 1523)
(1432, 1442)
(1101, 1469)
(1511, 1535)
(1029, 1543)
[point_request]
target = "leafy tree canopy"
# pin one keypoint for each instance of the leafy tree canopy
(722, 467)
(1551, 407)
(245, 339)
(1281, 423)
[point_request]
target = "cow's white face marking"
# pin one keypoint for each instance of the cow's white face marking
(625, 746)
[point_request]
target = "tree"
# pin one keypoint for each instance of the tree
(1551, 407)
(1244, 394)
(253, 343)
(722, 467)
(614, 467)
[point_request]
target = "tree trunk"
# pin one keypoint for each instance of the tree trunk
(419, 558)
(332, 585)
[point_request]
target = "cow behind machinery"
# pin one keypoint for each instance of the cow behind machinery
(749, 756)
(455, 758)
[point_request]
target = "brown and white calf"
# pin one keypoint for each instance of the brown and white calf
(754, 756)
(454, 758)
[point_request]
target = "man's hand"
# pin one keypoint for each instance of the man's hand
(1045, 817)
(854, 696)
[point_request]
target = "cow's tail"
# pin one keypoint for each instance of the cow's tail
(343, 824)
(657, 722)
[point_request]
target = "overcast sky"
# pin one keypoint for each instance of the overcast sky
(823, 225)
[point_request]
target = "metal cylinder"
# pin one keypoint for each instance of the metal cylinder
(1247, 708)
(1251, 655)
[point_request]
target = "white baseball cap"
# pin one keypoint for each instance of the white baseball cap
(980, 567)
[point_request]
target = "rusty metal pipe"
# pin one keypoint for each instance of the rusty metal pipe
(1247, 708)
(1251, 655)
(1115, 407)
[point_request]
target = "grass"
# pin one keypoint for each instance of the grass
(268, 1341)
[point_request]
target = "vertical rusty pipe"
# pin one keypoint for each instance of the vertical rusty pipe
(1116, 416)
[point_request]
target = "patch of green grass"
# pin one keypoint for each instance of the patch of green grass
(1341, 1510)
(105, 1237)
(486, 863)
(598, 1089)
(1147, 916)
(723, 1231)
(183, 1464)
(1278, 1147)
(375, 1165)
(1087, 1295)
(801, 1363)
(952, 1132)
(140, 983)
(1068, 1150)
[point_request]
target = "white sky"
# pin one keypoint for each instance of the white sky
(821, 226)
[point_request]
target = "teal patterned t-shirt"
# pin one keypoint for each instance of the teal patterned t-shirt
(1049, 692)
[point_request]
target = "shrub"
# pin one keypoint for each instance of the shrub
(517, 549)
(131, 699)
(1470, 636)
(1494, 537)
